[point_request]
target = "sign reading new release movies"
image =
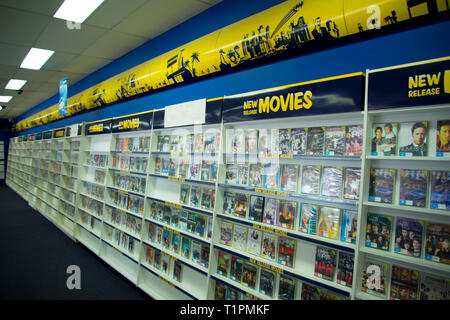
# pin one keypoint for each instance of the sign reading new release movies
(426, 83)
(331, 95)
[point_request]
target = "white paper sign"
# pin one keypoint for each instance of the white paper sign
(184, 114)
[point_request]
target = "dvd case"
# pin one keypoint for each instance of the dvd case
(186, 247)
(271, 176)
(433, 287)
(195, 196)
(285, 142)
(251, 141)
(264, 142)
(275, 142)
(404, 284)
(349, 225)
(270, 211)
(443, 138)
(220, 291)
(287, 214)
(267, 282)
(242, 174)
(345, 269)
(315, 141)
(436, 243)
(354, 140)
(238, 141)
(289, 175)
(240, 205)
(328, 222)
(256, 174)
(308, 218)
(374, 278)
(236, 269)
(384, 139)
(331, 182)
(255, 212)
(269, 246)
(232, 294)
(413, 187)
(412, 139)
(440, 186)
(408, 237)
(254, 241)
(249, 272)
(286, 288)
(325, 263)
(198, 143)
(352, 178)
(381, 187)
(298, 137)
(378, 231)
(310, 179)
(177, 270)
(228, 202)
(334, 141)
(286, 251)
(231, 173)
(223, 263)
(239, 237)
(226, 233)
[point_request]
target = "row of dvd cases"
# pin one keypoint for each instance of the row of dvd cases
(176, 207)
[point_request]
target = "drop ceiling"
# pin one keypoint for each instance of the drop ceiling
(115, 28)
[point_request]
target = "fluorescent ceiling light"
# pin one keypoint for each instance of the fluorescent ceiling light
(36, 58)
(2, 107)
(15, 84)
(77, 10)
(5, 98)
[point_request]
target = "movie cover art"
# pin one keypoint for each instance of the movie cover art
(183, 168)
(298, 137)
(212, 142)
(255, 177)
(334, 141)
(254, 241)
(374, 278)
(173, 167)
(436, 244)
(271, 176)
(231, 173)
(228, 202)
(271, 211)
(149, 255)
(198, 143)
(404, 284)
(223, 263)
(204, 256)
(184, 193)
(310, 292)
(412, 139)
(195, 196)
(352, 178)
(200, 225)
(443, 138)
(266, 282)
(196, 251)
(310, 179)
(286, 251)
(239, 237)
(238, 141)
(349, 226)
(242, 174)
(440, 190)
(175, 245)
(174, 144)
(189, 145)
(240, 205)
(269, 246)
(194, 170)
(177, 270)
(232, 294)
(433, 287)
(205, 172)
(220, 291)
(408, 237)
(328, 222)
(264, 142)
(157, 260)
(331, 182)
(286, 288)
(165, 166)
(287, 214)
(315, 141)
(206, 198)
(236, 269)
(325, 263)
(289, 175)
(345, 269)
(381, 187)
(284, 136)
(249, 271)
(163, 143)
(413, 187)
(251, 141)
(166, 239)
(191, 222)
(384, 139)
(186, 247)
(354, 140)
(255, 212)
(275, 142)
(226, 233)
(308, 218)
(378, 231)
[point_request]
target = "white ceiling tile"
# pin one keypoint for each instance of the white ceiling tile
(112, 12)
(113, 45)
(12, 55)
(85, 64)
(47, 7)
(58, 60)
(58, 37)
(158, 16)
(21, 28)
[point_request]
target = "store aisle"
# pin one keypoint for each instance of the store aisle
(35, 255)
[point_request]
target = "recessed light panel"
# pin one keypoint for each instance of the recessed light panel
(77, 10)
(36, 58)
(15, 84)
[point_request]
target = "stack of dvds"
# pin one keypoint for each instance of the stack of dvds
(198, 197)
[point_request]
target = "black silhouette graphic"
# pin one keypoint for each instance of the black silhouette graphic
(178, 69)
(392, 18)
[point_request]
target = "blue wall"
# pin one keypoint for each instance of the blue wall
(421, 43)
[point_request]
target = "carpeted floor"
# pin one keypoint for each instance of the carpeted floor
(35, 254)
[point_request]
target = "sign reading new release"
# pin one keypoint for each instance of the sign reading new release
(425, 84)
(62, 110)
